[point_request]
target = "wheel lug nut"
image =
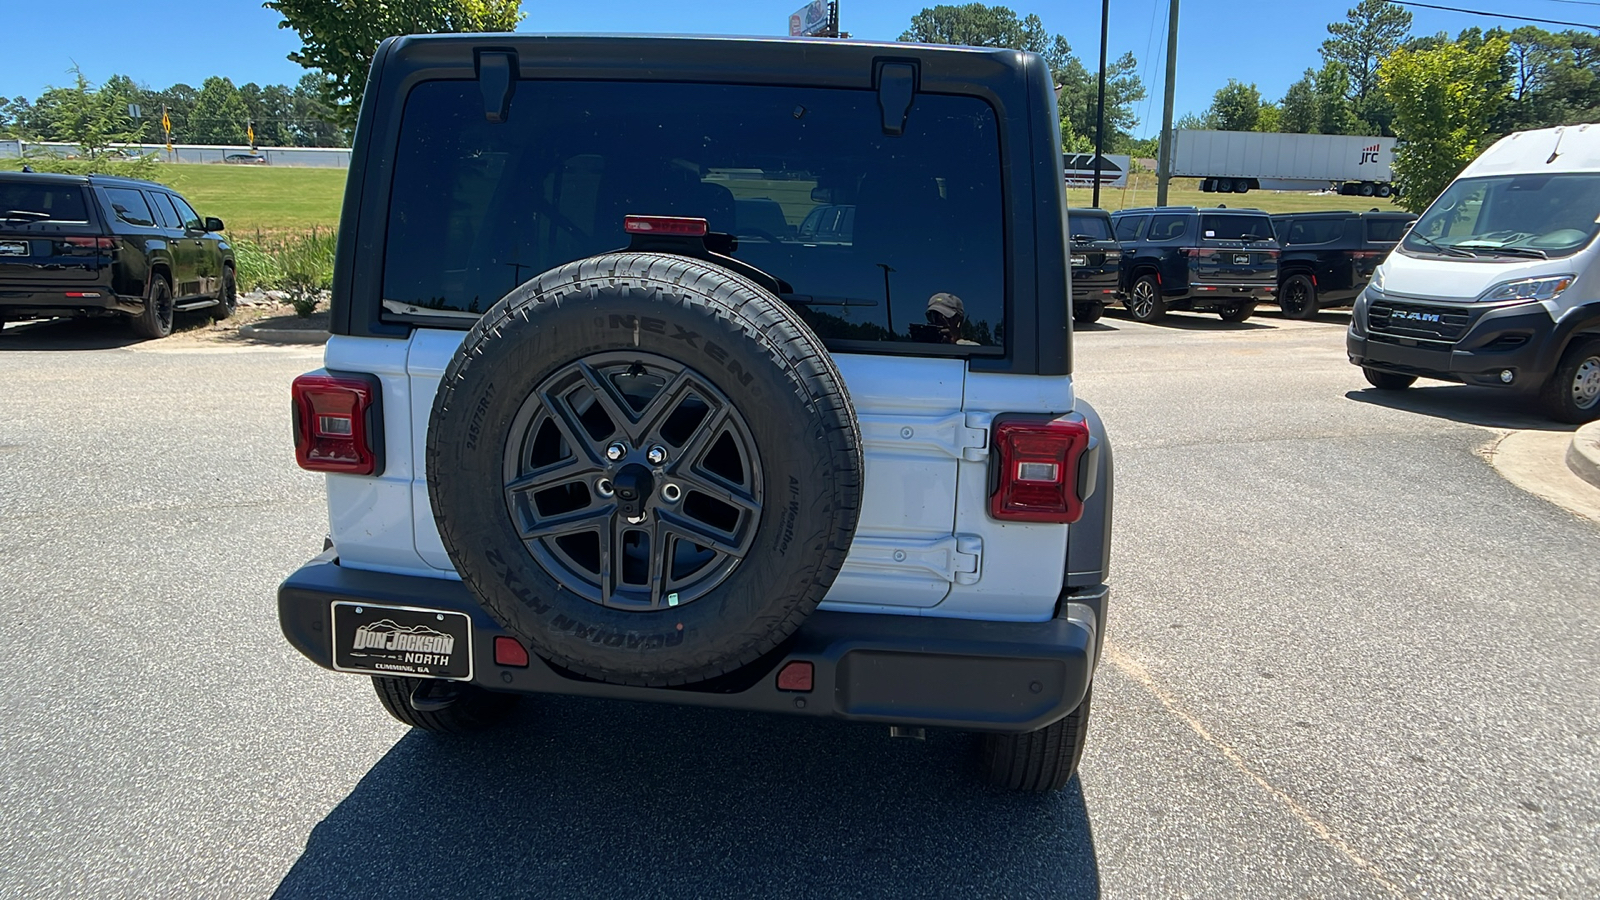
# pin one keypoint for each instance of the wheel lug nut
(616, 451)
(604, 488)
(671, 492)
(657, 455)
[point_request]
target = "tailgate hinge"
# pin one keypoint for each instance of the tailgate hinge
(953, 435)
(957, 558)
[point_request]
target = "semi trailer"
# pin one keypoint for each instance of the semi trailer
(1233, 162)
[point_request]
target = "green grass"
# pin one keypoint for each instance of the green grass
(1141, 191)
(260, 198)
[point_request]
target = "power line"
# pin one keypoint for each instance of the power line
(1495, 15)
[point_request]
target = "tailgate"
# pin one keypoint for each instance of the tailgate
(48, 233)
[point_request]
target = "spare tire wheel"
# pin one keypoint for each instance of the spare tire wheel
(646, 466)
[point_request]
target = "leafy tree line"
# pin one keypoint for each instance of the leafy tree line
(977, 25)
(217, 113)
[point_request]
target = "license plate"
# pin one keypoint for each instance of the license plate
(13, 248)
(1241, 259)
(1080, 260)
(401, 640)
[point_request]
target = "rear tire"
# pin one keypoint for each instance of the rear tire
(1238, 313)
(1573, 392)
(474, 710)
(1388, 381)
(1037, 761)
(1241, 186)
(1297, 297)
(1384, 190)
(155, 321)
(1144, 301)
(227, 297)
(1087, 313)
(1367, 189)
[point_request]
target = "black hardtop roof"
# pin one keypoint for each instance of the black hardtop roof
(1145, 210)
(1091, 210)
(1340, 213)
(105, 180)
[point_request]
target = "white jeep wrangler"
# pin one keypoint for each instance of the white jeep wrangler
(720, 372)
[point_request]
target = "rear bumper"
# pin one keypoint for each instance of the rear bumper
(904, 670)
(59, 300)
(1094, 286)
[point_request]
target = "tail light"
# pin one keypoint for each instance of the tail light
(1045, 469)
(1197, 251)
(1364, 254)
(91, 243)
(338, 423)
(674, 225)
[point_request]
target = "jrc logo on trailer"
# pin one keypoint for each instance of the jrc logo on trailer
(1369, 155)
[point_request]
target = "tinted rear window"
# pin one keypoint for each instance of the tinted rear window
(1128, 227)
(1095, 228)
(43, 202)
(1386, 230)
(1315, 231)
(866, 227)
(1218, 227)
(129, 206)
(1167, 228)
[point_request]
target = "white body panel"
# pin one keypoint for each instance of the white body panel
(1309, 159)
(1571, 148)
(924, 544)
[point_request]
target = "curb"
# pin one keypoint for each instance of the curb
(283, 335)
(1583, 454)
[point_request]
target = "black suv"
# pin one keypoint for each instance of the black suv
(82, 245)
(1096, 263)
(1328, 257)
(1207, 260)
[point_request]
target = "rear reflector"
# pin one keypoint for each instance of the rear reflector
(507, 652)
(83, 294)
(796, 676)
(1038, 479)
(337, 425)
(674, 225)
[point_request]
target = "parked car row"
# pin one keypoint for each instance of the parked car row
(1228, 261)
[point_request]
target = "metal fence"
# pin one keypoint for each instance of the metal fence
(324, 157)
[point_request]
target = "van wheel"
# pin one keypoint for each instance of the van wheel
(1144, 302)
(1085, 313)
(1298, 297)
(1388, 381)
(1573, 392)
(1238, 312)
(1037, 761)
(462, 708)
(156, 320)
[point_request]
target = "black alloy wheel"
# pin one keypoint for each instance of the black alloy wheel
(633, 481)
(1144, 300)
(155, 320)
(1298, 297)
(227, 295)
(1237, 312)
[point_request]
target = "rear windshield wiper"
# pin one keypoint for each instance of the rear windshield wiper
(820, 300)
(1530, 252)
(1448, 251)
(27, 214)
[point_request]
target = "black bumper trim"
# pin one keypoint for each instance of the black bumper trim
(1495, 339)
(905, 670)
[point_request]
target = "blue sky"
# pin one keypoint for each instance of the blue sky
(159, 42)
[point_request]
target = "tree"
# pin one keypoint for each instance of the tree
(219, 114)
(84, 116)
(1298, 109)
(338, 39)
(14, 117)
(1335, 114)
(1444, 101)
(1236, 106)
(1270, 118)
(977, 25)
(1370, 32)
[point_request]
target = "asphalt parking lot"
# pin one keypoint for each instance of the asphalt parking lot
(1346, 659)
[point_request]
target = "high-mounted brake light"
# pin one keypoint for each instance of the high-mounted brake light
(338, 425)
(1039, 462)
(674, 225)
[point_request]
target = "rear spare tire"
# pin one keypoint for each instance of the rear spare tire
(646, 466)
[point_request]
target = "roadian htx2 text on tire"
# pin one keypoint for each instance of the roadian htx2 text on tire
(646, 466)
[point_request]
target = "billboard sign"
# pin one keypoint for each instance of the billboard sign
(1078, 168)
(810, 20)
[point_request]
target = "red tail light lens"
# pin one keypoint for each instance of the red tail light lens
(1038, 462)
(1197, 251)
(337, 423)
(675, 225)
(93, 243)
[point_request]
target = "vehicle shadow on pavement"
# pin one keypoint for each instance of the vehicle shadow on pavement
(68, 334)
(1486, 407)
(594, 798)
(1193, 321)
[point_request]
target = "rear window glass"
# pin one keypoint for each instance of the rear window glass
(129, 206)
(1235, 227)
(1315, 231)
(1095, 228)
(1128, 227)
(1387, 230)
(1167, 228)
(21, 201)
(868, 228)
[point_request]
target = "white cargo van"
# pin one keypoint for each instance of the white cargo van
(1498, 283)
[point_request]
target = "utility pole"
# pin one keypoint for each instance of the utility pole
(1100, 109)
(1164, 161)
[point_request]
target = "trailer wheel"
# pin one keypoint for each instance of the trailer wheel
(1384, 190)
(1208, 185)
(1367, 189)
(1224, 185)
(1241, 186)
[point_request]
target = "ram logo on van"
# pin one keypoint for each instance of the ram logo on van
(1409, 316)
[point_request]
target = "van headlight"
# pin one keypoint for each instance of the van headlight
(1547, 288)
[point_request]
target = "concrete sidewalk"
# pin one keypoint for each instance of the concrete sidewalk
(1583, 454)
